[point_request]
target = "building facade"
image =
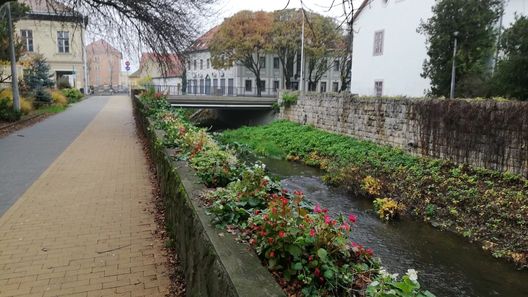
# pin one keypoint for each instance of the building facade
(389, 52)
(238, 80)
(104, 64)
(166, 76)
(58, 36)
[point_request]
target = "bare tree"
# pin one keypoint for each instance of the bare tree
(159, 26)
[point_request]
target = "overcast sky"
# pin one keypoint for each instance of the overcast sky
(226, 8)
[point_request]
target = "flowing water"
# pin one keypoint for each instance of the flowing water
(447, 264)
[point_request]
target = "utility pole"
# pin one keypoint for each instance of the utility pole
(301, 82)
(14, 77)
(453, 68)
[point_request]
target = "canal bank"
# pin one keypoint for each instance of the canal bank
(447, 264)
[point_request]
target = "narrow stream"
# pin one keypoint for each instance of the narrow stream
(447, 264)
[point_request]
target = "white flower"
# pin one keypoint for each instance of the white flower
(413, 275)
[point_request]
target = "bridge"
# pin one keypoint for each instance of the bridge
(221, 102)
(220, 99)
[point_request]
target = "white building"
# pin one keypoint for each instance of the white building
(203, 79)
(389, 52)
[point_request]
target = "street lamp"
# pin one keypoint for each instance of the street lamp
(453, 73)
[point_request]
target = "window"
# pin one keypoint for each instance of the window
(208, 63)
(378, 88)
(201, 64)
(63, 41)
(262, 62)
(194, 64)
(202, 86)
(262, 86)
(189, 65)
(323, 87)
(276, 85)
(27, 39)
(336, 65)
(378, 42)
(335, 87)
(276, 63)
(248, 85)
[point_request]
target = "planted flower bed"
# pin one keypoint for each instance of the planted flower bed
(486, 206)
(308, 251)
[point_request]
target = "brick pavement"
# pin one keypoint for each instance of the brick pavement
(84, 227)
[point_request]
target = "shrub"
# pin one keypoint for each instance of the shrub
(371, 185)
(309, 248)
(43, 95)
(25, 105)
(6, 111)
(235, 203)
(63, 83)
(290, 98)
(387, 208)
(215, 167)
(72, 94)
(58, 98)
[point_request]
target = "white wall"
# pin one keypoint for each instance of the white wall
(404, 50)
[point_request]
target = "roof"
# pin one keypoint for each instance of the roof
(45, 6)
(101, 46)
(174, 67)
(202, 43)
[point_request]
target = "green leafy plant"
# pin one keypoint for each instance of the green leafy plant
(388, 285)
(72, 94)
(388, 209)
(290, 98)
(7, 113)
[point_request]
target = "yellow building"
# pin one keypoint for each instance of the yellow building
(58, 35)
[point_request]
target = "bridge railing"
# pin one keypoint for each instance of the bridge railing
(215, 91)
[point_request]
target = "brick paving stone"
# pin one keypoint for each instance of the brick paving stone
(85, 226)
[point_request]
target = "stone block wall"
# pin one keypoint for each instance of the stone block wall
(482, 133)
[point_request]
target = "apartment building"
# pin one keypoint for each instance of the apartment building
(204, 79)
(104, 64)
(58, 35)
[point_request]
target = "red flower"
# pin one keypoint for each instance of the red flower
(298, 193)
(310, 258)
(317, 208)
(284, 201)
(369, 252)
(272, 254)
(282, 234)
(312, 232)
(270, 240)
(317, 272)
(327, 219)
(252, 241)
(352, 218)
(265, 217)
(257, 212)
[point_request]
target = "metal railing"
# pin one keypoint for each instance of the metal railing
(215, 91)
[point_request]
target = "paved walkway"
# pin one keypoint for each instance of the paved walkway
(84, 227)
(25, 154)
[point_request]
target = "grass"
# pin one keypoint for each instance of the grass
(51, 109)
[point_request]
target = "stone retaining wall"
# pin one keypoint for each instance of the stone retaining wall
(214, 263)
(482, 133)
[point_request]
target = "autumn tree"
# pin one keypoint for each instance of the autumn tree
(321, 42)
(244, 39)
(18, 10)
(511, 77)
(475, 21)
(286, 41)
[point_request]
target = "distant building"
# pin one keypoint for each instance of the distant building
(388, 51)
(204, 79)
(104, 64)
(164, 70)
(57, 34)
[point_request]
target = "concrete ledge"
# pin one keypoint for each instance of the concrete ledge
(214, 265)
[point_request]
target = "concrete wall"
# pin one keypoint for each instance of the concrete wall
(481, 133)
(213, 264)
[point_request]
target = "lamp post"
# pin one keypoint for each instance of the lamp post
(301, 81)
(453, 72)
